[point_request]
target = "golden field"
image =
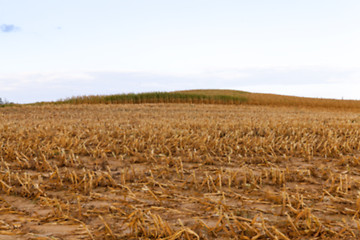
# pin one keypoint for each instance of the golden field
(179, 171)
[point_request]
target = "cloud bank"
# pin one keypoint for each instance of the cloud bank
(7, 28)
(305, 82)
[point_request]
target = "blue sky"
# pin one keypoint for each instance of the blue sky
(60, 48)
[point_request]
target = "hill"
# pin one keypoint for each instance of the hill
(279, 100)
(159, 97)
(215, 96)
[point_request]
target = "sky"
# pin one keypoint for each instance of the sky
(52, 50)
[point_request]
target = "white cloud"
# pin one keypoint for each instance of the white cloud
(310, 82)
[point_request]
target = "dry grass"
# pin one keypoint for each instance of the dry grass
(223, 97)
(156, 97)
(261, 99)
(178, 171)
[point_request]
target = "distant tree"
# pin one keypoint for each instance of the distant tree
(3, 101)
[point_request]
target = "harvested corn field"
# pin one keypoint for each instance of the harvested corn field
(178, 171)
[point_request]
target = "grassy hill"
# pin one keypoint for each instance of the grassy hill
(159, 97)
(280, 100)
(214, 96)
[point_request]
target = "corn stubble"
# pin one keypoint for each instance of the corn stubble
(178, 171)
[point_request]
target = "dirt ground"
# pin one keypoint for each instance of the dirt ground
(178, 171)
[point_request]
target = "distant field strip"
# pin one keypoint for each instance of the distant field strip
(261, 99)
(157, 97)
(225, 97)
